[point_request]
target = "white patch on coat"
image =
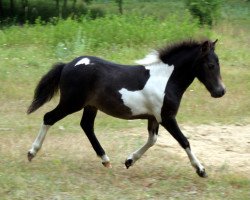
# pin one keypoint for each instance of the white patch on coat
(84, 61)
(151, 58)
(149, 100)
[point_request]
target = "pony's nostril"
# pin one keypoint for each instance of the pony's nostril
(224, 91)
(218, 93)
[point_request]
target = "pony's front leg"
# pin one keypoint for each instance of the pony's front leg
(153, 127)
(37, 144)
(172, 127)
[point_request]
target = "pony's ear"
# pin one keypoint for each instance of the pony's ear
(205, 47)
(215, 42)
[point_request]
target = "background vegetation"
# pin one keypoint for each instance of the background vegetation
(69, 169)
(11, 11)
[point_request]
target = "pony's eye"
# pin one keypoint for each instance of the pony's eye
(211, 66)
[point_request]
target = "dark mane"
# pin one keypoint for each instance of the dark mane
(171, 49)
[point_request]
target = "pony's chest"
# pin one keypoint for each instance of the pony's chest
(149, 100)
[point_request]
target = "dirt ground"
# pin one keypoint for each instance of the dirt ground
(218, 146)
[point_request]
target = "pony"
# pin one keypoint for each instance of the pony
(151, 90)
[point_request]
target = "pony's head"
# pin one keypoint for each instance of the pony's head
(208, 69)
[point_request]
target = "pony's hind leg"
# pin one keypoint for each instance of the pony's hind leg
(153, 127)
(50, 118)
(87, 124)
(37, 144)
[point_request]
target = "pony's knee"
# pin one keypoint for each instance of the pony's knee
(86, 126)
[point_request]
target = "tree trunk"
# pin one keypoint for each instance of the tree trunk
(120, 6)
(74, 4)
(65, 2)
(58, 8)
(64, 8)
(12, 8)
(1, 9)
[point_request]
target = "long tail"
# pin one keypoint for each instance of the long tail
(46, 88)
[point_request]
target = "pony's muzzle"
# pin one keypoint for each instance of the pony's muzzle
(219, 92)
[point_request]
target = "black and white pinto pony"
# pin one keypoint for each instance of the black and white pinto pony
(151, 90)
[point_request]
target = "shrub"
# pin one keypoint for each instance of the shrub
(75, 37)
(207, 11)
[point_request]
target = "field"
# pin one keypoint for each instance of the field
(67, 167)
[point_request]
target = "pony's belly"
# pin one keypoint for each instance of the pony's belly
(117, 112)
(112, 106)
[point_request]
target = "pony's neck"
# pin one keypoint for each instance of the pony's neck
(183, 74)
(182, 61)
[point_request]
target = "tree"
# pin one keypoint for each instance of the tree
(12, 7)
(207, 11)
(64, 8)
(65, 2)
(57, 7)
(1, 9)
(120, 5)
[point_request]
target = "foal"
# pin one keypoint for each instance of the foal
(151, 90)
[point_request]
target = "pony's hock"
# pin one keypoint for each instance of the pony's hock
(151, 90)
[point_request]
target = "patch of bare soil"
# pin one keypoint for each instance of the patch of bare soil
(219, 146)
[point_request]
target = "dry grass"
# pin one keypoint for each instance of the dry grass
(67, 168)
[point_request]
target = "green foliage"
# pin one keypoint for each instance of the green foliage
(96, 12)
(207, 11)
(69, 37)
(134, 30)
(28, 11)
(120, 5)
(126, 38)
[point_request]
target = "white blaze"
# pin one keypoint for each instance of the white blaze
(149, 100)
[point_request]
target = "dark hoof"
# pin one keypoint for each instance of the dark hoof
(128, 163)
(30, 156)
(201, 173)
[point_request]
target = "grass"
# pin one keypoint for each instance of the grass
(66, 167)
(31, 50)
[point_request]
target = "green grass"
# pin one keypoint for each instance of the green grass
(28, 52)
(69, 169)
